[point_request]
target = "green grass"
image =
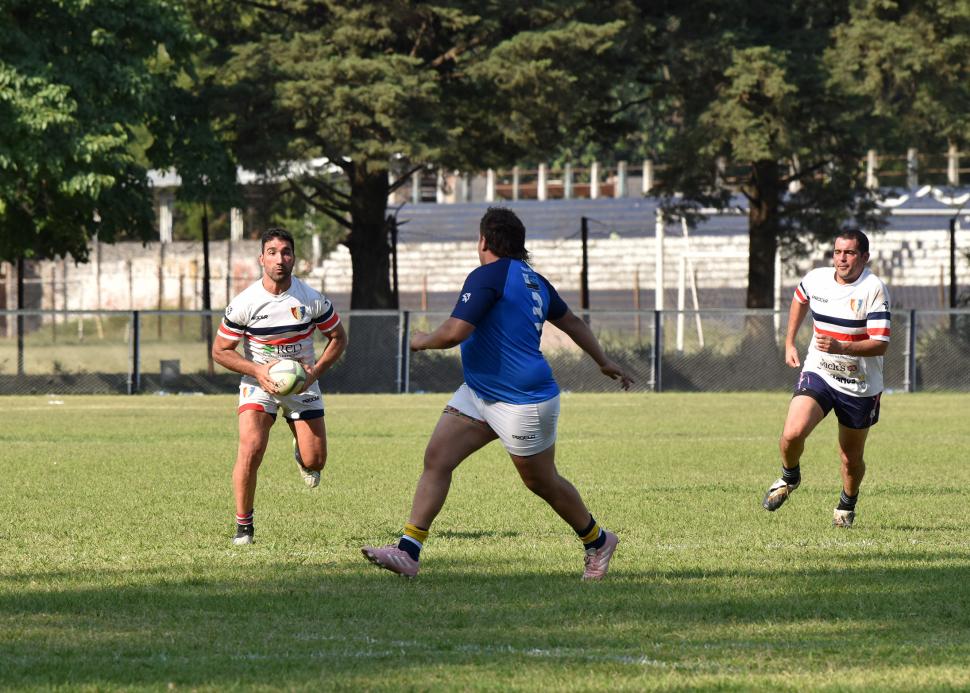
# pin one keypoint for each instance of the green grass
(116, 570)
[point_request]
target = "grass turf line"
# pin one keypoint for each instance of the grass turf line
(116, 570)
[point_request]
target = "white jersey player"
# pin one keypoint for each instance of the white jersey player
(847, 313)
(277, 318)
(843, 368)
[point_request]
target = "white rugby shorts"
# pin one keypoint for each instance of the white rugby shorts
(302, 406)
(524, 429)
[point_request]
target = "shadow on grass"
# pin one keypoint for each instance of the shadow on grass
(350, 625)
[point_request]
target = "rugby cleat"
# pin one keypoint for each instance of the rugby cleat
(597, 561)
(777, 495)
(843, 518)
(310, 477)
(391, 558)
(244, 535)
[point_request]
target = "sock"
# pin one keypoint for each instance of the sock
(847, 502)
(412, 541)
(245, 521)
(593, 536)
(792, 476)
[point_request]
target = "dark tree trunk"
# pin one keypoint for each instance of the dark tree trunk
(373, 337)
(765, 193)
(370, 251)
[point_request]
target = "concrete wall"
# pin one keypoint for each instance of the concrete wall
(129, 276)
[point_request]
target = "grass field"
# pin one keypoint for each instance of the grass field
(116, 570)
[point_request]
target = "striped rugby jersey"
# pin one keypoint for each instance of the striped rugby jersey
(278, 327)
(848, 313)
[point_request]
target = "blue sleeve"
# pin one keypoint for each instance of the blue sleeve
(482, 290)
(557, 306)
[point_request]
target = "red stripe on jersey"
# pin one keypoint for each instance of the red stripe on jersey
(841, 336)
(287, 340)
(329, 324)
(799, 296)
(229, 335)
(880, 331)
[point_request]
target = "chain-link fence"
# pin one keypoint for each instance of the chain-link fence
(76, 352)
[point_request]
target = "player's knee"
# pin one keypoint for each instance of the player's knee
(793, 433)
(539, 485)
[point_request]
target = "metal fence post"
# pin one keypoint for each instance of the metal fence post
(404, 353)
(909, 372)
(658, 348)
(134, 368)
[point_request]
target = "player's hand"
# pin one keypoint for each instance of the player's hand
(310, 378)
(613, 370)
(417, 340)
(265, 382)
(791, 356)
(827, 345)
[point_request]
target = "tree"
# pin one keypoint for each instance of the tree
(751, 106)
(76, 80)
(911, 61)
(337, 97)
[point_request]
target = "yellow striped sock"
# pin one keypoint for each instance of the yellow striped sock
(416, 533)
(592, 535)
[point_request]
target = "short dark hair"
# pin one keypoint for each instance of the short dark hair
(276, 232)
(504, 233)
(855, 235)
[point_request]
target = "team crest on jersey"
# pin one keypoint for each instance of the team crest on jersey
(855, 305)
(248, 390)
(465, 297)
(299, 312)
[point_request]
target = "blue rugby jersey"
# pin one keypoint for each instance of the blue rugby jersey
(507, 301)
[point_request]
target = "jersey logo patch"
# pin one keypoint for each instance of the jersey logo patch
(466, 297)
(248, 390)
(299, 312)
(855, 305)
(530, 281)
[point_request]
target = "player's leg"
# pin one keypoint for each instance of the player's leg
(309, 447)
(540, 475)
(812, 400)
(856, 416)
(254, 426)
(457, 435)
(304, 415)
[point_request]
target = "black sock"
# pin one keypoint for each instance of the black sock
(410, 548)
(593, 536)
(847, 502)
(791, 476)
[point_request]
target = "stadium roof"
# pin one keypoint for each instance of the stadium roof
(558, 219)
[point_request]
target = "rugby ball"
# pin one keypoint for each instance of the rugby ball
(288, 375)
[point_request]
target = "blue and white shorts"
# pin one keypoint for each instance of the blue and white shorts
(852, 412)
(524, 429)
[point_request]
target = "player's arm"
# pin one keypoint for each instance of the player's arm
(451, 332)
(796, 316)
(579, 332)
(336, 346)
(864, 347)
(224, 353)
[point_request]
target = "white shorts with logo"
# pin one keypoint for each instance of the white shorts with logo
(302, 406)
(524, 429)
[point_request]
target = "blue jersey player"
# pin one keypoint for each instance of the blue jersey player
(509, 393)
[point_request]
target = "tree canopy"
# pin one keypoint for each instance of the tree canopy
(77, 79)
(374, 91)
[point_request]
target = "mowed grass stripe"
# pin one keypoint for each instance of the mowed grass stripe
(116, 570)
